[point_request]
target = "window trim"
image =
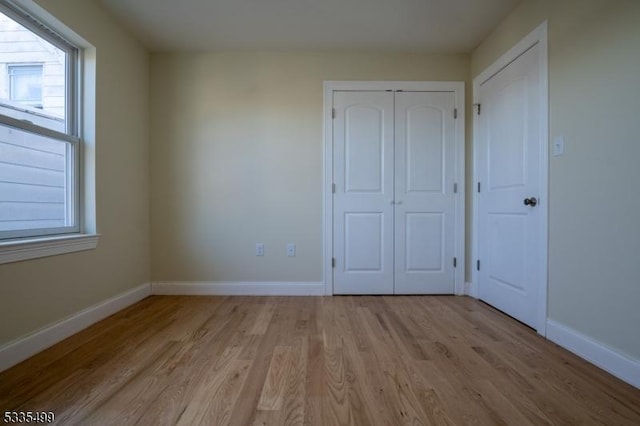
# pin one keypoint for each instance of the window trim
(30, 127)
(33, 248)
(86, 238)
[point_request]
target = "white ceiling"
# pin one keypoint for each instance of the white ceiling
(455, 26)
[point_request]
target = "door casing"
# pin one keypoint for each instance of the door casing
(539, 36)
(458, 87)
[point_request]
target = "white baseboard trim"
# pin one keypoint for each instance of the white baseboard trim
(18, 350)
(198, 288)
(621, 366)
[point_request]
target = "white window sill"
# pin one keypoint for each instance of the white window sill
(18, 250)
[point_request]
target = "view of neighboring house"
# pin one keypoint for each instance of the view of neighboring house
(32, 70)
(33, 187)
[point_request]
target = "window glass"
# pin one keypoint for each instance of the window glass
(35, 189)
(33, 85)
(39, 162)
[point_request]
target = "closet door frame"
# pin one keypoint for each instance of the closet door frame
(458, 88)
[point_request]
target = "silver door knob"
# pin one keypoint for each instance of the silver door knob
(531, 202)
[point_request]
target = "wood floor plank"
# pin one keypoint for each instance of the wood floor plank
(262, 321)
(274, 386)
(253, 385)
(343, 360)
(314, 382)
(292, 412)
(216, 397)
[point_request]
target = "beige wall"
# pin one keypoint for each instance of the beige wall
(237, 157)
(38, 292)
(594, 244)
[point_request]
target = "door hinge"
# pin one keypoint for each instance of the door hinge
(333, 188)
(333, 113)
(333, 262)
(478, 186)
(455, 113)
(455, 262)
(479, 106)
(478, 264)
(455, 188)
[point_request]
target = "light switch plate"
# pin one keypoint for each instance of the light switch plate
(558, 146)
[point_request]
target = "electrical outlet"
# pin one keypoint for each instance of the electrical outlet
(291, 250)
(259, 249)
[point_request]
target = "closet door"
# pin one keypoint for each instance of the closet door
(424, 192)
(363, 199)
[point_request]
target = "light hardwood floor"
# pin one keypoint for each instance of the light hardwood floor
(326, 360)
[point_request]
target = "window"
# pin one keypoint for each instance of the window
(25, 84)
(39, 139)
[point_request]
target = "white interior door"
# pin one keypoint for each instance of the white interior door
(394, 202)
(424, 192)
(509, 162)
(363, 199)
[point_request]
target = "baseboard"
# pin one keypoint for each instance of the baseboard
(621, 366)
(198, 288)
(17, 351)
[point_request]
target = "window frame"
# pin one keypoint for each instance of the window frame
(71, 135)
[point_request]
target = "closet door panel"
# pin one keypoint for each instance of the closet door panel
(424, 199)
(363, 209)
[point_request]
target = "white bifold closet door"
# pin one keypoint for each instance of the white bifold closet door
(394, 203)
